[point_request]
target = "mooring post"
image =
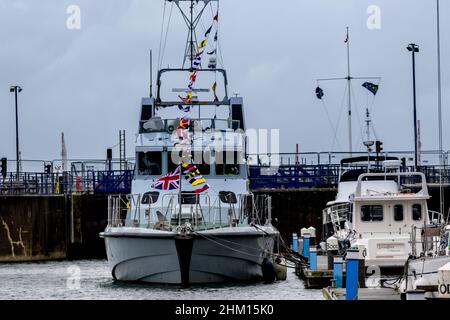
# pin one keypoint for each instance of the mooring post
(313, 259)
(306, 245)
(352, 274)
(300, 245)
(294, 242)
(338, 271)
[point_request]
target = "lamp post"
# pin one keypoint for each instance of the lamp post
(413, 48)
(16, 90)
(441, 155)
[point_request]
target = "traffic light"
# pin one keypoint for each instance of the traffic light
(378, 146)
(403, 162)
(48, 168)
(109, 158)
(109, 154)
(4, 167)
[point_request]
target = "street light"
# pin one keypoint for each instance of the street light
(413, 48)
(16, 89)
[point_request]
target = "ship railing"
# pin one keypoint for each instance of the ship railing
(204, 211)
(337, 214)
(428, 240)
(201, 210)
(201, 124)
(131, 211)
(195, 209)
(436, 217)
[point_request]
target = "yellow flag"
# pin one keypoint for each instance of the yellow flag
(202, 44)
(198, 181)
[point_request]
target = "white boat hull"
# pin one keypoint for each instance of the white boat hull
(423, 271)
(213, 256)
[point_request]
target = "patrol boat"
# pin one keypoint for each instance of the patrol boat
(190, 218)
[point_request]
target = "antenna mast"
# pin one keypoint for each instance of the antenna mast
(63, 153)
(191, 21)
(349, 79)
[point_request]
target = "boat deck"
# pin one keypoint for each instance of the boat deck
(363, 294)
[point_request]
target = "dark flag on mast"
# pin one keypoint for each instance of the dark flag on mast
(371, 87)
(319, 93)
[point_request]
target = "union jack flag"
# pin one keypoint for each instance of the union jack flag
(170, 181)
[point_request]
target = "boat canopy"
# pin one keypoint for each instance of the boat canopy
(366, 159)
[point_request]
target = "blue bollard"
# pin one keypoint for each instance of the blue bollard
(338, 271)
(294, 242)
(313, 259)
(306, 245)
(351, 292)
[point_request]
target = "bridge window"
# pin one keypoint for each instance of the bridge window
(201, 160)
(398, 212)
(371, 213)
(417, 212)
(149, 163)
(227, 163)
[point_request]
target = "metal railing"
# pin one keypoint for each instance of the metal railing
(325, 176)
(199, 210)
(428, 157)
(428, 240)
(66, 182)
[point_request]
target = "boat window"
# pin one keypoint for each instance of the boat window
(150, 197)
(227, 163)
(149, 163)
(398, 212)
(417, 212)
(371, 213)
(201, 161)
(171, 166)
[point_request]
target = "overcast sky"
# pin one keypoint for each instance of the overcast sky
(88, 82)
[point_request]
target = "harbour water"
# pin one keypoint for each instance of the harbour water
(91, 280)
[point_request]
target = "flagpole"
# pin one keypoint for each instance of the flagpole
(349, 95)
(179, 195)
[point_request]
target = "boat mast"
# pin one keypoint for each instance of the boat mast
(368, 143)
(191, 30)
(151, 74)
(349, 79)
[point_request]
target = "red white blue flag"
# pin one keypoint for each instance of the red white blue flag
(170, 181)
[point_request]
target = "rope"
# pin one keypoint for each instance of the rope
(161, 35)
(340, 115)
(231, 242)
(358, 116)
(330, 122)
(228, 247)
(165, 38)
(268, 254)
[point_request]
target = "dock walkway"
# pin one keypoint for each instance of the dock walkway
(363, 294)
